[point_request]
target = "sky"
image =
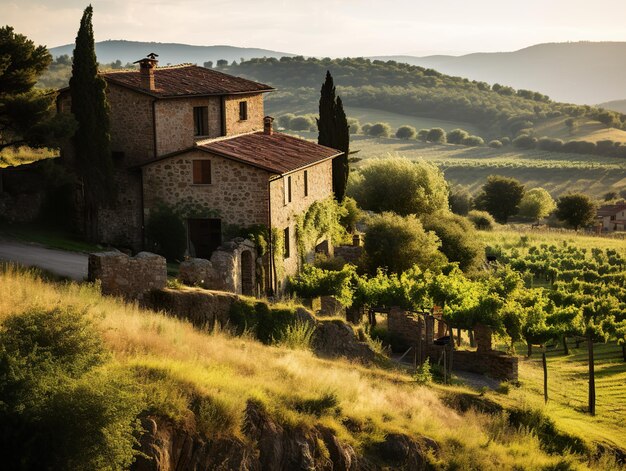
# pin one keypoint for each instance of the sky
(333, 28)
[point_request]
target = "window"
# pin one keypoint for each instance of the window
(201, 172)
(306, 183)
(286, 244)
(288, 190)
(243, 110)
(201, 120)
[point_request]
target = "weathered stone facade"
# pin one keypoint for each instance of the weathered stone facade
(129, 277)
(237, 193)
(320, 186)
(254, 122)
(174, 122)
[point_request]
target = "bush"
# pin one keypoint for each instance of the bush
(536, 204)
(301, 123)
(351, 215)
(495, 144)
(406, 132)
(482, 220)
(456, 136)
(579, 147)
(380, 130)
(166, 233)
(550, 144)
(576, 209)
(423, 375)
(500, 196)
(506, 141)
(473, 141)
(284, 121)
(397, 243)
(355, 126)
(365, 129)
(422, 135)
(525, 141)
(399, 185)
(297, 336)
(460, 201)
(265, 322)
(436, 135)
(459, 240)
(61, 408)
(610, 196)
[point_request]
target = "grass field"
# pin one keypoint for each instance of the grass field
(585, 130)
(470, 166)
(24, 155)
(178, 364)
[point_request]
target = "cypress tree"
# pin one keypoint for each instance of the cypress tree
(92, 140)
(333, 128)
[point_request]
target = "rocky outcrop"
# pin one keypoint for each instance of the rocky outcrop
(268, 445)
(335, 338)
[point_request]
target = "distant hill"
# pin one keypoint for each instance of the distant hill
(615, 105)
(169, 53)
(577, 72)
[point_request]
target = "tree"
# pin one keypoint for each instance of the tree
(456, 136)
(610, 196)
(401, 186)
(208, 64)
(406, 132)
(334, 132)
(460, 201)
(379, 130)
(501, 197)
(576, 209)
(27, 114)
(482, 220)
(436, 135)
(92, 139)
(536, 204)
(459, 240)
(570, 123)
(473, 141)
(397, 243)
(222, 63)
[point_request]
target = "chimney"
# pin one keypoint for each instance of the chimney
(267, 125)
(146, 70)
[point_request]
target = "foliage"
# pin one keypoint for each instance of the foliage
(297, 336)
(60, 409)
(321, 221)
(576, 209)
(334, 132)
(460, 200)
(436, 135)
(482, 220)
(265, 322)
(459, 239)
(423, 375)
(399, 185)
(166, 233)
(397, 243)
(501, 197)
(406, 132)
(536, 204)
(473, 141)
(456, 136)
(312, 282)
(524, 141)
(379, 130)
(27, 115)
(92, 140)
(495, 144)
(351, 214)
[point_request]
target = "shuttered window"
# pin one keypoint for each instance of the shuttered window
(201, 172)
(243, 110)
(306, 183)
(201, 121)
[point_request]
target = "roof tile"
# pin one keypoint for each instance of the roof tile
(187, 80)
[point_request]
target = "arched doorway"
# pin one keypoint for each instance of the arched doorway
(247, 273)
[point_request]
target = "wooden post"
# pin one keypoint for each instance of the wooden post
(545, 375)
(592, 376)
(458, 334)
(470, 334)
(565, 346)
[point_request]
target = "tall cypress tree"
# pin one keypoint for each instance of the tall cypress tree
(92, 140)
(333, 128)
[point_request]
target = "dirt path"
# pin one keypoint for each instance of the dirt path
(67, 264)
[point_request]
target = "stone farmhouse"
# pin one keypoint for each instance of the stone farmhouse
(197, 140)
(611, 218)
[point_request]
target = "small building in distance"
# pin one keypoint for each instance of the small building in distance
(198, 141)
(611, 218)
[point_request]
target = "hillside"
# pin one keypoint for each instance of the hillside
(577, 72)
(235, 397)
(169, 53)
(615, 105)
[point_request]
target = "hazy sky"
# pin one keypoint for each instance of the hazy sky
(328, 27)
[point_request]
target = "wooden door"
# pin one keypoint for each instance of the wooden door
(205, 235)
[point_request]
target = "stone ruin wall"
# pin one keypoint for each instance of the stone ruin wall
(406, 328)
(129, 277)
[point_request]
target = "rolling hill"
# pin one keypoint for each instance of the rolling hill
(169, 53)
(577, 72)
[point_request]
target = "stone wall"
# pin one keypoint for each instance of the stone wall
(320, 186)
(129, 277)
(227, 269)
(237, 194)
(22, 191)
(494, 364)
(404, 327)
(255, 114)
(349, 253)
(174, 122)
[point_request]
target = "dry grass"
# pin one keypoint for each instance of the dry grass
(24, 155)
(177, 363)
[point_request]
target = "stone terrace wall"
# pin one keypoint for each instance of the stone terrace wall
(130, 277)
(497, 365)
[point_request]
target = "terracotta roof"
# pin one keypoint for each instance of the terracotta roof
(187, 80)
(611, 209)
(276, 153)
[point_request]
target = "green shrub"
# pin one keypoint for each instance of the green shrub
(436, 135)
(380, 130)
(317, 406)
(266, 323)
(460, 201)
(351, 216)
(473, 141)
(301, 123)
(423, 374)
(406, 132)
(422, 135)
(284, 121)
(482, 220)
(214, 418)
(297, 336)
(355, 126)
(495, 144)
(166, 233)
(525, 141)
(456, 136)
